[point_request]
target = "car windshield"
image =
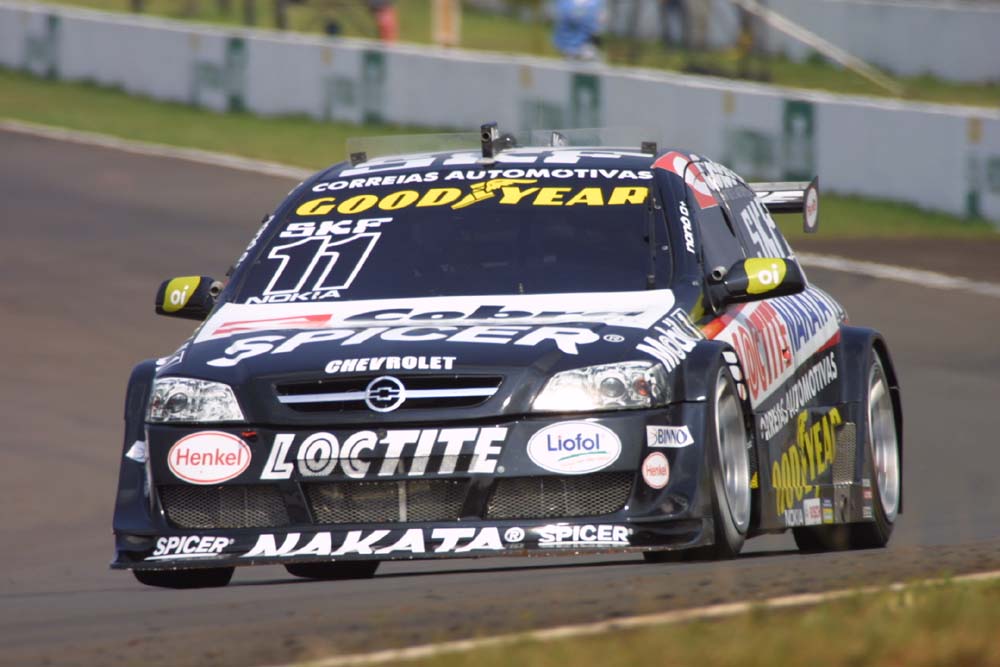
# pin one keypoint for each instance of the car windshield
(422, 235)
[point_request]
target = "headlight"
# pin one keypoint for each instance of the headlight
(190, 400)
(624, 386)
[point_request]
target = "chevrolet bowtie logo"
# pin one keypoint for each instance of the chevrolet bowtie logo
(384, 394)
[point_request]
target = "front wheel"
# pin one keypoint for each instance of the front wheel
(212, 577)
(729, 464)
(883, 450)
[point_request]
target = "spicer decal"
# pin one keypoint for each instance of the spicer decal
(797, 474)
(668, 436)
(397, 452)
(574, 448)
(378, 364)
(192, 546)
(583, 536)
(208, 457)
(415, 541)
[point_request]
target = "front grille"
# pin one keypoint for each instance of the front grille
(258, 506)
(387, 502)
(420, 392)
(554, 497)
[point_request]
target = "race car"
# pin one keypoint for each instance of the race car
(508, 350)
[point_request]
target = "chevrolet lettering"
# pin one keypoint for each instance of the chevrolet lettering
(506, 350)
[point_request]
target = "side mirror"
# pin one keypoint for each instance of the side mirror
(755, 279)
(189, 297)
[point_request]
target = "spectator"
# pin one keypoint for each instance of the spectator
(578, 27)
(386, 19)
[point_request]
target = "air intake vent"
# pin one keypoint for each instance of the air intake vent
(387, 502)
(256, 506)
(554, 497)
(843, 461)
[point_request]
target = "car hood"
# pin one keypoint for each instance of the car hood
(520, 339)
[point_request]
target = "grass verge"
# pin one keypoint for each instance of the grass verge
(952, 624)
(308, 143)
(497, 32)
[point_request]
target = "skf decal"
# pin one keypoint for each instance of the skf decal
(416, 541)
(365, 454)
(797, 474)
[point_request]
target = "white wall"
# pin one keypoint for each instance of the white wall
(938, 157)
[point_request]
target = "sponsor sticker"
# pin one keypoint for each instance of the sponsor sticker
(208, 457)
(812, 511)
(378, 364)
(798, 471)
(416, 541)
(764, 274)
(827, 510)
(191, 546)
(866, 512)
(179, 291)
(562, 535)
(793, 517)
(668, 436)
(574, 448)
(656, 470)
(671, 340)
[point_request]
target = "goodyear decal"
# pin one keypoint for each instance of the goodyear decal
(506, 191)
(795, 476)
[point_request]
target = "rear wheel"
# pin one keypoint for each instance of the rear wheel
(729, 462)
(333, 571)
(208, 578)
(883, 450)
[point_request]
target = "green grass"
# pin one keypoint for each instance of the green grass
(313, 144)
(953, 625)
(504, 33)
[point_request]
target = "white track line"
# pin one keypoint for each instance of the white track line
(627, 623)
(902, 274)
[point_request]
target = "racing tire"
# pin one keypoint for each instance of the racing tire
(729, 462)
(883, 451)
(214, 577)
(333, 571)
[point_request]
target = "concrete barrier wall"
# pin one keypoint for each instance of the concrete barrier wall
(938, 157)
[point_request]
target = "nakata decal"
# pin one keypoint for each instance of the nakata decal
(563, 535)
(415, 541)
(411, 452)
(656, 470)
(796, 475)
(208, 457)
(191, 546)
(574, 448)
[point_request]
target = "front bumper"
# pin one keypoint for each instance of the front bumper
(566, 515)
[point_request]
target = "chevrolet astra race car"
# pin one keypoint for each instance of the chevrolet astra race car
(507, 351)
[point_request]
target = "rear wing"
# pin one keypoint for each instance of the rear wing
(797, 197)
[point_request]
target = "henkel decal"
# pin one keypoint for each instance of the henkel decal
(656, 470)
(410, 452)
(191, 546)
(574, 448)
(668, 436)
(797, 474)
(587, 535)
(378, 364)
(208, 457)
(415, 541)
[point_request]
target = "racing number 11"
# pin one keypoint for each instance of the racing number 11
(319, 262)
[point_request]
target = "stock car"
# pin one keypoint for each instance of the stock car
(508, 350)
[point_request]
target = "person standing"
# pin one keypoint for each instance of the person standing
(578, 27)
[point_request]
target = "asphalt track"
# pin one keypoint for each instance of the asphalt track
(88, 233)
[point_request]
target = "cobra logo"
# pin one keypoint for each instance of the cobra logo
(385, 394)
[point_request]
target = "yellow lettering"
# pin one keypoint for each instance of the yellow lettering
(551, 196)
(397, 200)
(358, 204)
(627, 195)
(587, 196)
(439, 197)
(320, 206)
(512, 195)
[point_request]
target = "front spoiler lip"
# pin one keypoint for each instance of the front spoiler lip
(670, 534)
